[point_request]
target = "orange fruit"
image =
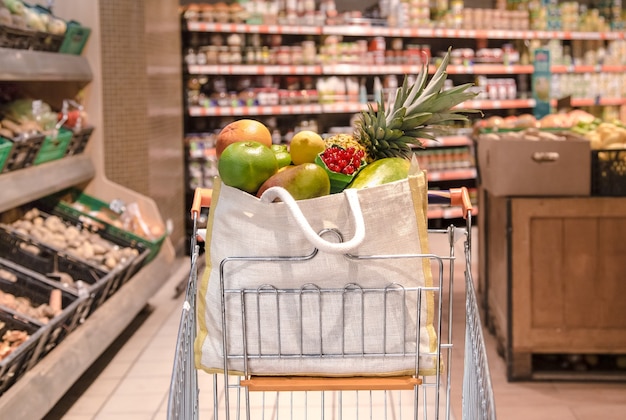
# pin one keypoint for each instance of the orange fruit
(242, 130)
(247, 165)
(305, 146)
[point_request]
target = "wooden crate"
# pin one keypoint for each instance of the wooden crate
(554, 276)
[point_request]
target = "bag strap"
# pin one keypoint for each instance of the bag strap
(272, 193)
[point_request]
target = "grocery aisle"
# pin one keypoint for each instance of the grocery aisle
(132, 380)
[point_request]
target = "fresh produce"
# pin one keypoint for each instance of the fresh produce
(412, 115)
(18, 14)
(23, 305)
(416, 112)
(603, 134)
(282, 155)
(11, 340)
(242, 130)
(76, 241)
(344, 161)
(16, 7)
(246, 165)
(303, 181)
(381, 172)
(305, 146)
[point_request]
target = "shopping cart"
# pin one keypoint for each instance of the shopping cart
(241, 395)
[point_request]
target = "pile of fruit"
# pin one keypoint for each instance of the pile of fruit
(603, 134)
(18, 14)
(378, 151)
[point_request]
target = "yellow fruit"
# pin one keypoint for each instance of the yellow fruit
(247, 165)
(242, 130)
(304, 181)
(304, 146)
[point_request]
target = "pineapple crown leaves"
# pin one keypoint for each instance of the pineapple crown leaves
(428, 97)
(412, 113)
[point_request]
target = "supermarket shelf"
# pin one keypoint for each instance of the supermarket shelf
(260, 29)
(498, 104)
(384, 69)
(598, 101)
(466, 33)
(34, 394)
(26, 65)
(352, 69)
(353, 107)
(25, 185)
(253, 69)
(445, 141)
(589, 69)
(255, 110)
(452, 174)
(366, 31)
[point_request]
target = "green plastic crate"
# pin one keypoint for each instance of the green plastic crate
(54, 148)
(76, 37)
(5, 150)
(61, 205)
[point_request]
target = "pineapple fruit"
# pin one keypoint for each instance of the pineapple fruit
(412, 115)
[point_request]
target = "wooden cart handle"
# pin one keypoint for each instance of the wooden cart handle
(453, 197)
(201, 198)
(304, 383)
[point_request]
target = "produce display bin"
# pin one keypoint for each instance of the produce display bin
(26, 284)
(122, 272)
(5, 150)
(16, 38)
(99, 283)
(608, 172)
(45, 41)
(54, 147)
(61, 205)
(79, 141)
(24, 152)
(24, 356)
(524, 167)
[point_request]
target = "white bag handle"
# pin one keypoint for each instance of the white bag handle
(323, 245)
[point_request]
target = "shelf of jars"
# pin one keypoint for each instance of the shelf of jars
(354, 107)
(359, 69)
(370, 31)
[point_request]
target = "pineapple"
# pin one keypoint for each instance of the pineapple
(413, 115)
(344, 141)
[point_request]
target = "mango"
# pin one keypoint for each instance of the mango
(303, 181)
(381, 171)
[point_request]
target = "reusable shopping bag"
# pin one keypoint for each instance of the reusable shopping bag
(287, 311)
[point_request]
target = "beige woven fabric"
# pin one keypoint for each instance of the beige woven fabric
(328, 333)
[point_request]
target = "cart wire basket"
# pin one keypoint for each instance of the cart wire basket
(241, 395)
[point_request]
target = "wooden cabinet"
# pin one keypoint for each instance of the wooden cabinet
(553, 277)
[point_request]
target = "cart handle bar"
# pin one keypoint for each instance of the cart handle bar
(453, 196)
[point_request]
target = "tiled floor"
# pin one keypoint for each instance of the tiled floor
(131, 380)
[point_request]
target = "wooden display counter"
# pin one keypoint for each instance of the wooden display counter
(553, 277)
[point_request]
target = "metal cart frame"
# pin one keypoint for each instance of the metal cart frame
(414, 396)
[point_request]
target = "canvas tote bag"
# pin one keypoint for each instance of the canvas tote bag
(326, 334)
